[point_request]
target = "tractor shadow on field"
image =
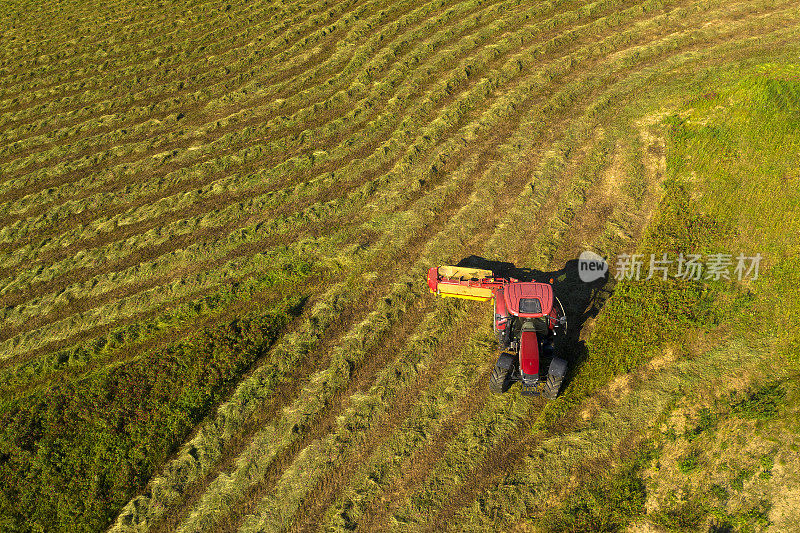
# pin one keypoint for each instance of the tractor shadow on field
(582, 301)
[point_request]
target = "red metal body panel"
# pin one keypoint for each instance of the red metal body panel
(514, 292)
(529, 353)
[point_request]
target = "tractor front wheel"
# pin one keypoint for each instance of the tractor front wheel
(556, 373)
(498, 381)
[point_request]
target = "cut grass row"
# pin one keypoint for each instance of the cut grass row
(180, 48)
(218, 146)
(436, 246)
(402, 225)
(210, 62)
(141, 29)
(251, 158)
(410, 227)
(129, 338)
(248, 64)
(279, 507)
(270, 127)
(154, 298)
(390, 271)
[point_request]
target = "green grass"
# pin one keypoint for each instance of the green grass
(701, 217)
(104, 435)
(761, 404)
(607, 503)
(171, 167)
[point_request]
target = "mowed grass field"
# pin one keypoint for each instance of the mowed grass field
(217, 218)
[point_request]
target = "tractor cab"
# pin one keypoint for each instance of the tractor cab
(528, 299)
(528, 303)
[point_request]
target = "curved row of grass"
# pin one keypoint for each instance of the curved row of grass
(483, 89)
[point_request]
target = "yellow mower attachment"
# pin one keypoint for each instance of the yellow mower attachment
(461, 282)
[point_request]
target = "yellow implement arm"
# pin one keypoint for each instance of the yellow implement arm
(462, 282)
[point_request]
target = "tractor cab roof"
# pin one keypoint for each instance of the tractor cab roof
(528, 299)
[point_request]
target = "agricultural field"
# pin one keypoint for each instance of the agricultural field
(217, 218)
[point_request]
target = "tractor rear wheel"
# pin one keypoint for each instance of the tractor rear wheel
(558, 368)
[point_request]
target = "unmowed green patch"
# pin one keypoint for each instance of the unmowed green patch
(642, 316)
(723, 174)
(73, 453)
(608, 502)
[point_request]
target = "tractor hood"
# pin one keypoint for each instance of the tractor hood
(528, 299)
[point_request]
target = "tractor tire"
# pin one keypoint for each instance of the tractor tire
(556, 373)
(498, 381)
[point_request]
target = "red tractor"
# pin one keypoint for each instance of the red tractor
(527, 318)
